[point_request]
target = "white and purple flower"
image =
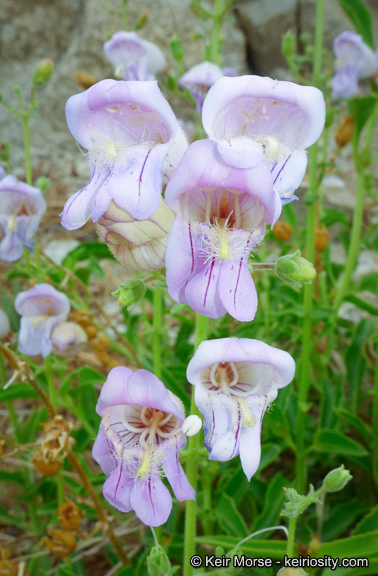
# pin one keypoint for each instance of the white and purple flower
(133, 57)
(221, 216)
(235, 381)
(199, 79)
(21, 210)
(140, 433)
(41, 309)
(354, 60)
(277, 119)
(133, 142)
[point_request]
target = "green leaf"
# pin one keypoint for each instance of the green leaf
(85, 251)
(363, 571)
(274, 549)
(362, 304)
(277, 421)
(341, 517)
(18, 390)
(8, 476)
(354, 359)
(269, 453)
(229, 517)
(354, 421)
(335, 442)
(361, 109)
(368, 523)
(361, 17)
(273, 504)
(353, 547)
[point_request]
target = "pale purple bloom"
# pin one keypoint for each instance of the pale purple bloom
(221, 216)
(277, 119)
(134, 144)
(41, 309)
(133, 57)
(140, 432)
(201, 77)
(354, 60)
(68, 335)
(21, 209)
(235, 381)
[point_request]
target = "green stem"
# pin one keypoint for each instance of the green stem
(157, 327)
(192, 467)
(305, 372)
(50, 381)
(125, 14)
(375, 420)
(215, 51)
(266, 285)
(60, 489)
(38, 261)
(291, 537)
(25, 123)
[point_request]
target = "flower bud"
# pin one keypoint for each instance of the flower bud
(130, 292)
(176, 49)
(142, 20)
(291, 572)
(138, 244)
(337, 479)
(42, 73)
(192, 425)
(68, 335)
(61, 543)
(321, 239)
(4, 325)
(288, 45)
(42, 183)
(282, 230)
(69, 516)
(295, 270)
(344, 132)
(158, 563)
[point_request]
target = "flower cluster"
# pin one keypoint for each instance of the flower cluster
(200, 211)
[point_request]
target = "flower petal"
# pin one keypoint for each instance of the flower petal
(175, 473)
(102, 451)
(202, 292)
(151, 501)
(117, 489)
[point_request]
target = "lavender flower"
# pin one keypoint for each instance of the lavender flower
(201, 77)
(221, 216)
(133, 57)
(41, 309)
(277, 119)
(133, 142)
(139, 244)
(235, 380)
(140, 432)
(355, 60)
(21, 209)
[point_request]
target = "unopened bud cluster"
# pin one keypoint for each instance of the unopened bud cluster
(130, 292)
(337, 479)
(42, 73)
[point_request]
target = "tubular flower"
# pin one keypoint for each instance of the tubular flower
(221, 216)
(21, 209)
(41, 309)
(235, 380)
(201, 77)
(139, 244)
(133, 57)
(277, 119)
(133, 141)
(140, 432)
(354, 60)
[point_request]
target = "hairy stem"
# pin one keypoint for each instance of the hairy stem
(192, 467)
(305, 373)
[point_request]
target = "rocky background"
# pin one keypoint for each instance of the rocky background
(72, 32)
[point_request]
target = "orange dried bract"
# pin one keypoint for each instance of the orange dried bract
(321, 239)
(85, 79)
(61, 543)
(69, 515)
(282, 231)
(345, 131)
(46, 468)
(7, 567)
